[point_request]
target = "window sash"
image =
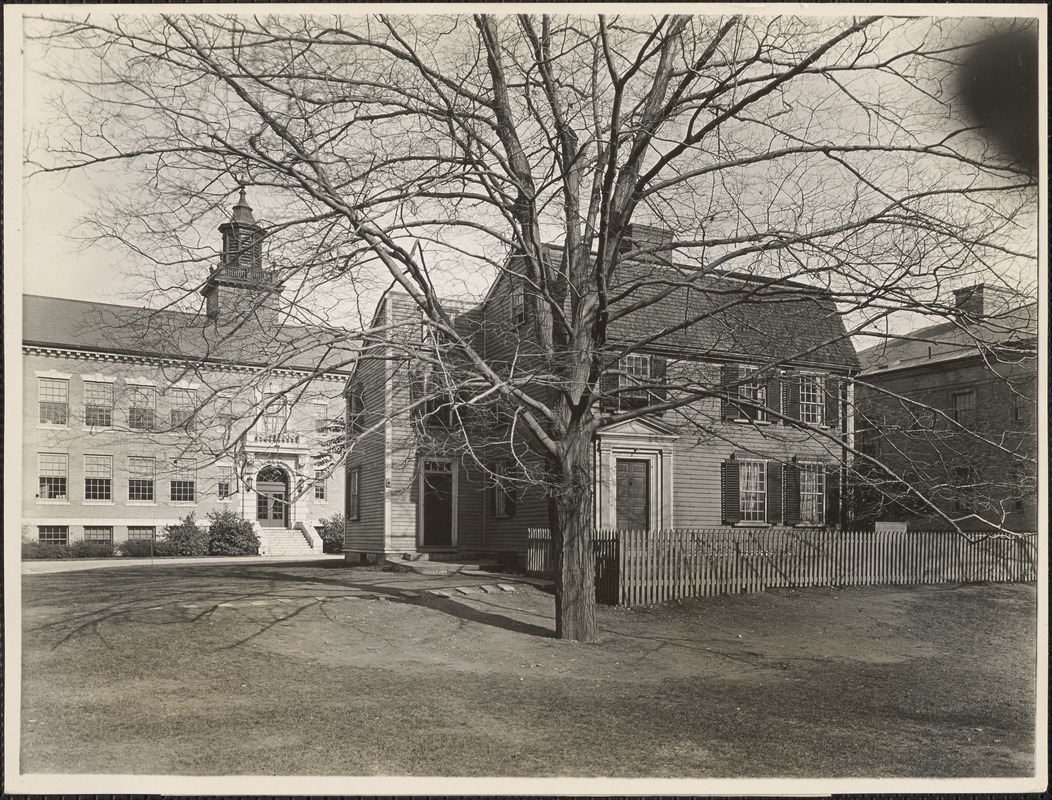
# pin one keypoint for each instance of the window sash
(98, 466)
(320, 485)
(98, 394)
(226, 480)
(98, 489)
(142, 532)
(752, 491)
(53, 465)
(54, 390)
(963, 407)
(518, 305)
(53, 534)
(812, 494)
(354, 481)
(183, 491)
(141, 489)
(98, 533)
(53, 488)
(812, 399)
(756, 395)
(142, 397)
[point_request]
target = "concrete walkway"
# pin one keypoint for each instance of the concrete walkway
(76, 564)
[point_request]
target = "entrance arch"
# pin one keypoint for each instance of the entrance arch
(272, 497)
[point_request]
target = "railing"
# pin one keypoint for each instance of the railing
(276, 438)
(654, 566)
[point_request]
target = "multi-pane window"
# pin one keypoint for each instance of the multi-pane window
(321, 488)
(812, 399)
(142, 473)
(504, 495)
(184, 401)
(54, 474)
(754, 396)
(98, 533)
(53, 394)
(355, 411)
(518, 305)
(184, 481)
(812, 494)
(634, 371)
(98, 477)
(752, 491)
(53, 534)
(321, 416)
(142, 532)
(963, 408)
(353, 499)
(142, 412)
(275, 417)
(225, 486)
(98, 404)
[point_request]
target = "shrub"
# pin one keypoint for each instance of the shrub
(35, 550)
(89, 549)
(144, 548)
(186, 538)
(331, 532)
(230, 534)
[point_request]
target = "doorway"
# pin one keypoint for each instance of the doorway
(633, 494)
(438, 497)
(272, 498)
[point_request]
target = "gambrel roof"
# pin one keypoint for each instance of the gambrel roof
(723, 316)
(164, 333)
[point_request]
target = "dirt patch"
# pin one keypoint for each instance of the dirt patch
(205, 671)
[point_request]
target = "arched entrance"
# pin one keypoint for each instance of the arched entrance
(272, 498)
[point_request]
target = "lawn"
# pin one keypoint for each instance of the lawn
(297, 669)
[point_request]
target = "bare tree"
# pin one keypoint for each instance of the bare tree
(823, 151)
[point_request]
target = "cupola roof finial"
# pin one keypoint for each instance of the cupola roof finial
(242, 210)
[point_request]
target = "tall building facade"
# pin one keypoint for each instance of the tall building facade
(135, 417)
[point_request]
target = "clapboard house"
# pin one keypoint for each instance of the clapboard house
(761, 442)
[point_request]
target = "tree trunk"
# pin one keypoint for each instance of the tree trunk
(570, 518)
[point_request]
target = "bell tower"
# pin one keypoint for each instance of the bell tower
(239, 286)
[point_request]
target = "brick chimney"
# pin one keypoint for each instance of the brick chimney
(969, 302)
(646, 237)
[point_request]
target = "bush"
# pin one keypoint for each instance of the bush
(331, 532)
(186, 538)
(144, 548)
(89, 549)
(230, 534)
(36, 550)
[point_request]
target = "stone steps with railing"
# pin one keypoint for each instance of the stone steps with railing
(286, 542)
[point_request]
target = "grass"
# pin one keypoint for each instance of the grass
(293, 670)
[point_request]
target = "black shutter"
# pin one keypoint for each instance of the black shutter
(774, 492)
(608, 383)
(658, 369)
(792, 395)
(833, 496)
(792, 494)
(729, 378)
(774, 395)
(832, 409)
(511, 499)
(729, 494)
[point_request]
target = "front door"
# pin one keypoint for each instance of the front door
(633, 494)
(438, 504)
(272, 498)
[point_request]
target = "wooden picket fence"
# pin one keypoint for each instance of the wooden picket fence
(640, 567)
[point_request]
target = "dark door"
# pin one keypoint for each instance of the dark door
(438, 505)
(272, 499)
(633, 494)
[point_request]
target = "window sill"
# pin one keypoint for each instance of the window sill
(183, 503)
(42, 502)
(97, 502)
(752, 525)
(142, 503)
(99, 429)
(43, 426)
(752, 422)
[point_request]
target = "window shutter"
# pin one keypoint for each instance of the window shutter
(511, 499)
(607, 387)
(792, 494)
(774, 394)
(792, 395)
(658, 369)
(729, 377)
(730, 496)
(832, 409)
(774, 492)
(833, 496)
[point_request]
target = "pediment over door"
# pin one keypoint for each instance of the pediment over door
(640, 428)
